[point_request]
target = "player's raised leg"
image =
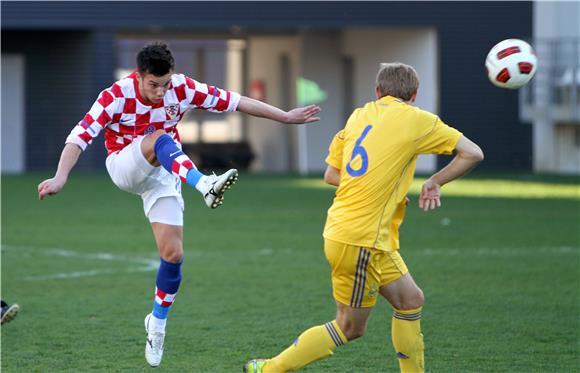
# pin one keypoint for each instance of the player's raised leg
(159, 148)
(407, 300)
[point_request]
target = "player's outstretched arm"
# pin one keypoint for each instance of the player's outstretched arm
(68, 158)
(261, 109)
(467, 156)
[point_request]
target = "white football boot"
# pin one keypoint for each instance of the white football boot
(217, 186)
(154, 345)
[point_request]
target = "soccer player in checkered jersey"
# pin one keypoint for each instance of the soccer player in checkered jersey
(139, 115)
(372, 161)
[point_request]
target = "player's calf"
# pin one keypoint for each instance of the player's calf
(408, 340)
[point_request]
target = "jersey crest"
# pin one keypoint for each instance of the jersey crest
(172, 111)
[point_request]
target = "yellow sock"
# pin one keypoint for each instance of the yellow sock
(408, 340)
(314, 344)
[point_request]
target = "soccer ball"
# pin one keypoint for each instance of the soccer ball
(511, 64)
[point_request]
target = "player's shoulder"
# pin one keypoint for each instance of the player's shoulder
(423, 116)
(358, 112)
(179, 79)
(123, 88)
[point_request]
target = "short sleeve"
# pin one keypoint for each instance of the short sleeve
(210, 98)
(95, 120)
(439, 138)
(334, 157)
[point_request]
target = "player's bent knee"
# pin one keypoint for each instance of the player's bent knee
(148, 143)
(171, 251)
(414, 300)
(172, 256)
(351, 329)
(354, 334)
(157, 134)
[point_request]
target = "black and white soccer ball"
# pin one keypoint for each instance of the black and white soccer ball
(511, 63)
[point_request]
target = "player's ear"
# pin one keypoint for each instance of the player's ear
(414, 97)
(378, 92)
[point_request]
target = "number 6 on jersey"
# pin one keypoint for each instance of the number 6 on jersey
(362, 152)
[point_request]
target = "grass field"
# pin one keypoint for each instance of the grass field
(499, 264)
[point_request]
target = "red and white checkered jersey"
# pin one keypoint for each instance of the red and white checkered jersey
(122, 112)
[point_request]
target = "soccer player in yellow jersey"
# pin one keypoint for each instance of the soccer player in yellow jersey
(372, 161)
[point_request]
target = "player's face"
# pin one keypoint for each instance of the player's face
(152, 88)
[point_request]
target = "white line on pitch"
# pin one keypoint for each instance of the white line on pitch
(140, 264)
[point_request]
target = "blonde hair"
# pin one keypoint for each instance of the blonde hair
(398, 80)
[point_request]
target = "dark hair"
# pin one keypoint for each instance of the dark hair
(155, 59)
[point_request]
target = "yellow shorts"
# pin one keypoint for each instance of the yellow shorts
(359, 272)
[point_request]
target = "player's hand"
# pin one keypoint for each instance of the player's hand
(50, 187)
(430, 197)
(303, 115)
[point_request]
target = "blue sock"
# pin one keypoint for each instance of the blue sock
(175, 161)
(168, 280)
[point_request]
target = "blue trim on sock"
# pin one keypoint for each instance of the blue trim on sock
(193, 177)
(160, 312)
(168, 280)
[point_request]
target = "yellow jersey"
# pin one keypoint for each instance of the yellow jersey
(376, 153)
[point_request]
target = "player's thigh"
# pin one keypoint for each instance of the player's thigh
(167, 210)
(355, 274)
(397, 284)
(129, 170)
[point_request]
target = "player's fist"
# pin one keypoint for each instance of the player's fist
(49, 187)
(430, 197)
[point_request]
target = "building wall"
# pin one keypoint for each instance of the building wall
(556, 19)
(486, 114)
(13, 122)
(556, 145)
(59, 91)
(321, 63)
(273, 142)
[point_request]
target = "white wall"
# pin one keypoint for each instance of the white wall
(13, 126)
(556, 19)
(568, 158)
(416, 47)
(555, 148)
(322, 64)
(271, 141)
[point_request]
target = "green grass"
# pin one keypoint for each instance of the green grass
(499, 265)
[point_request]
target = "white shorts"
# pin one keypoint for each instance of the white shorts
(131, 172)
